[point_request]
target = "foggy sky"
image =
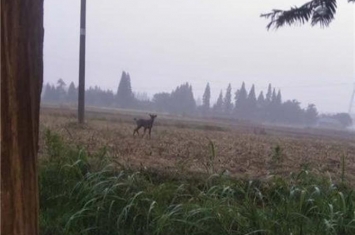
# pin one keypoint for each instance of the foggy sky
(165, 43)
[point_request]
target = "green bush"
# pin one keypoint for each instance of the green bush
(78, 197)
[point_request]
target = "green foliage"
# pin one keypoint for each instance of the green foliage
(343, 168)
(77, 197)
(320, 12)
(276, 159)
(209, 163)
(60, 172)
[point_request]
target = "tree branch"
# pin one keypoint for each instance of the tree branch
(317, 11)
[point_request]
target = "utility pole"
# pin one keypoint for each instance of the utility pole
(81, 103)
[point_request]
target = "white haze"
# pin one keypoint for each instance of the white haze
(165, 43)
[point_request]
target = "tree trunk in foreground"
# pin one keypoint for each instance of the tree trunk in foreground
(21, 85)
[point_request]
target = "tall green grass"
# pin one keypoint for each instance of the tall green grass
(83, 194)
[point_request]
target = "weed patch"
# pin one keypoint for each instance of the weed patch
(82, 193)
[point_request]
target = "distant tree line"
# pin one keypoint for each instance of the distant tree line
(242, 104)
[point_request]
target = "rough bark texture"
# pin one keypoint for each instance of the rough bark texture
(21, 85)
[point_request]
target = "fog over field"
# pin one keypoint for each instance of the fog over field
(163, 44)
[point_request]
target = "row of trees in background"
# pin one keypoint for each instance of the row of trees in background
(242, 104)
(268, 107)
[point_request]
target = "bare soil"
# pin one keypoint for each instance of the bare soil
(181, 144)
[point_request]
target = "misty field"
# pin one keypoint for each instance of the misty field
(185, 145)
(193, 176)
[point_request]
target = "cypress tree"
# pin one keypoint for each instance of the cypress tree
(251, 103)
(47, 93)
(274, 97)
(252, 97)
(274, 108)
(125, 96)
(182, 99)
(218, 107)
(206, 99)
(261, 100)
(162, 101)
(261, 106)
(278, 98)
(228, 106)
(72, 96)
(268, 94)
(60, 90)
(241, 97)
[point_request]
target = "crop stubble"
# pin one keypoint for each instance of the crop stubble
(183, 146)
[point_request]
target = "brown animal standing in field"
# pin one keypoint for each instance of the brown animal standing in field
(146, 123)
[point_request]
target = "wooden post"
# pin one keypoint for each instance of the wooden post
(21, 85)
